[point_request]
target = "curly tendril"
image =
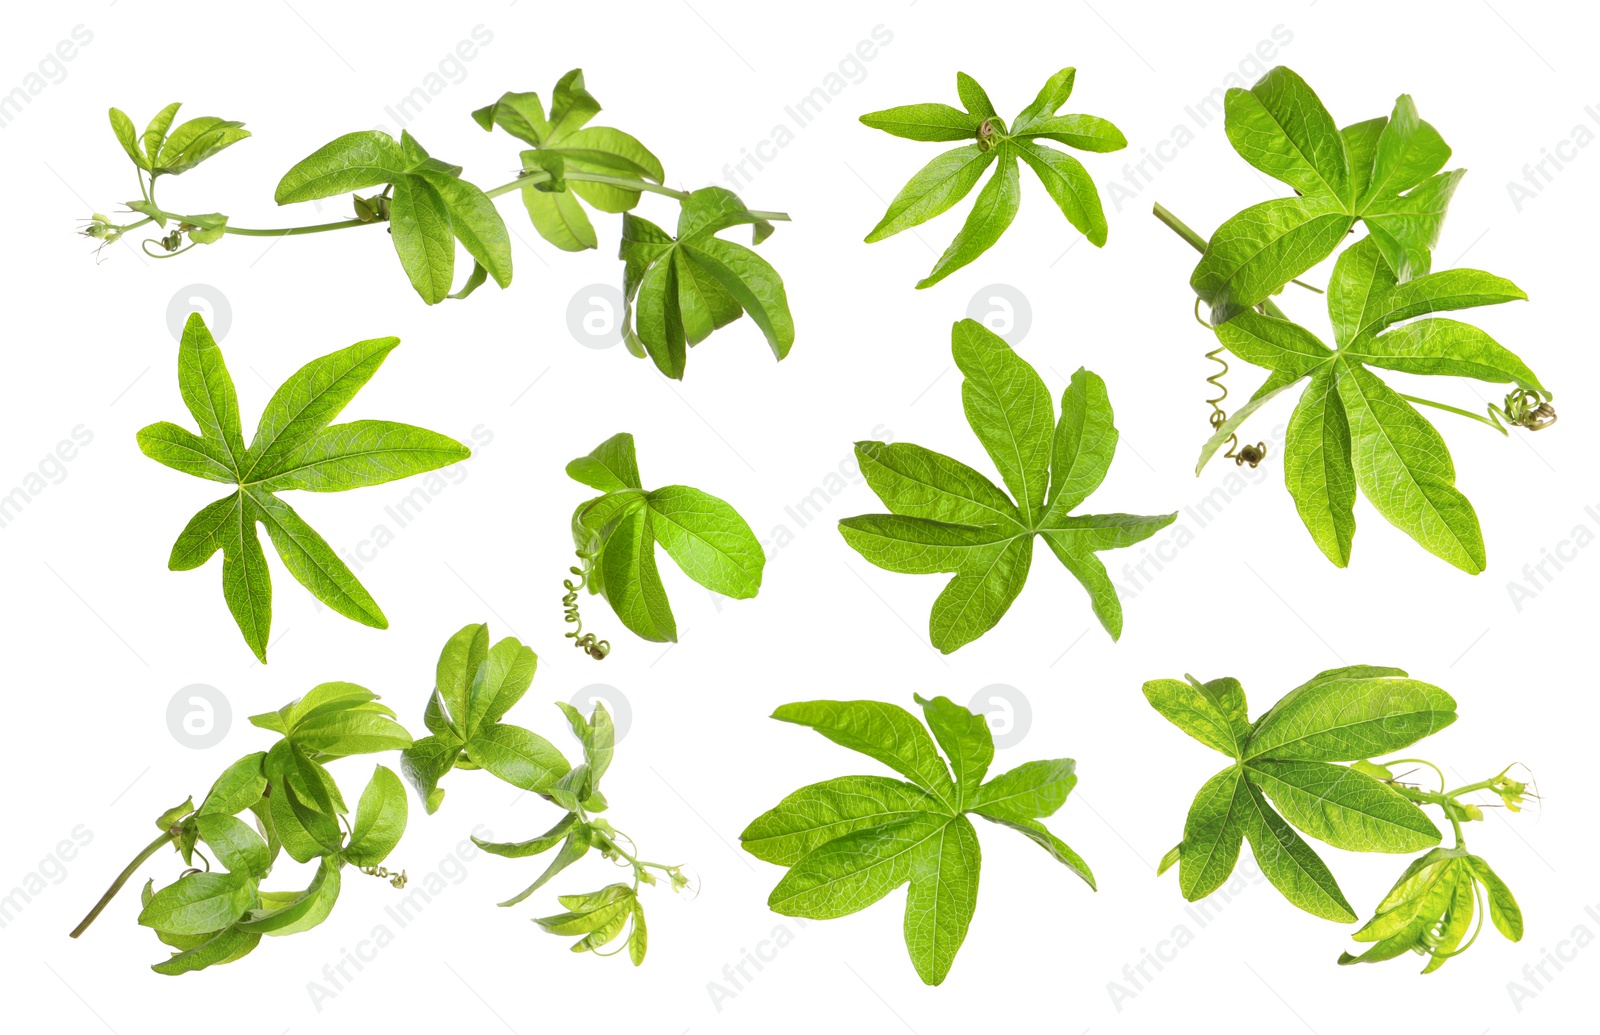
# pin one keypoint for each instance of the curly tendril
(1252, 455)
(397, 880)
(588, 642)
(1526, 409)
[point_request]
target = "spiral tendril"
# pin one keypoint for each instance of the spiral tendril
(1252, 455)
(1526, 409)
(595, 647)
(397, 880)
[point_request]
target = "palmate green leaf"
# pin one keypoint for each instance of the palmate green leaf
(564, 142)
(951, 176)
(617, 533)
(1349, 428)
(681, 289)
(947, 517)
(1383, 173)
(850, 841)
(431, 208)
(295, 447)
(1287, 755)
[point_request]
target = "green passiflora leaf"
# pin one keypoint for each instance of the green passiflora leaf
(1383, 173)
(431, 207)
(1431, 909)
(294, 912)
(681, 289)
(164, 151)
(380, 819)
(563, 143)
(850, 841)
(1285, 776)
(599, 917)
(200, 903)
(295, 447)
(947, 517)
(475, 684)
(616, 535)
(337, 719)
(1350, 429)
(951, 176)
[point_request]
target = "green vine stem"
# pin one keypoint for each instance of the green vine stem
(105, 230)
(166, 837)
(1511, 793)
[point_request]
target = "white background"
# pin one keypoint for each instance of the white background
(99, 636)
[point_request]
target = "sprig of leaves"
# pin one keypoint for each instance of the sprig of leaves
(295, 447)
(852, 840)
(218, 914)
(948, 178)
(946, 517)
(678, 290)
(1351, 429)
(616, 536)
(476, 683)
(1285, 775)
(1383, 173)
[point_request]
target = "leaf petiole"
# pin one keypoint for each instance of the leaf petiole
(166, 837)
(537, 176)
(1490, 421)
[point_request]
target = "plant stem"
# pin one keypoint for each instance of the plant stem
(122, 878)
(1391, 763)
(1456, 410)
(295, 231)
(1180, 228)
(525, 180)
(538, 176)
